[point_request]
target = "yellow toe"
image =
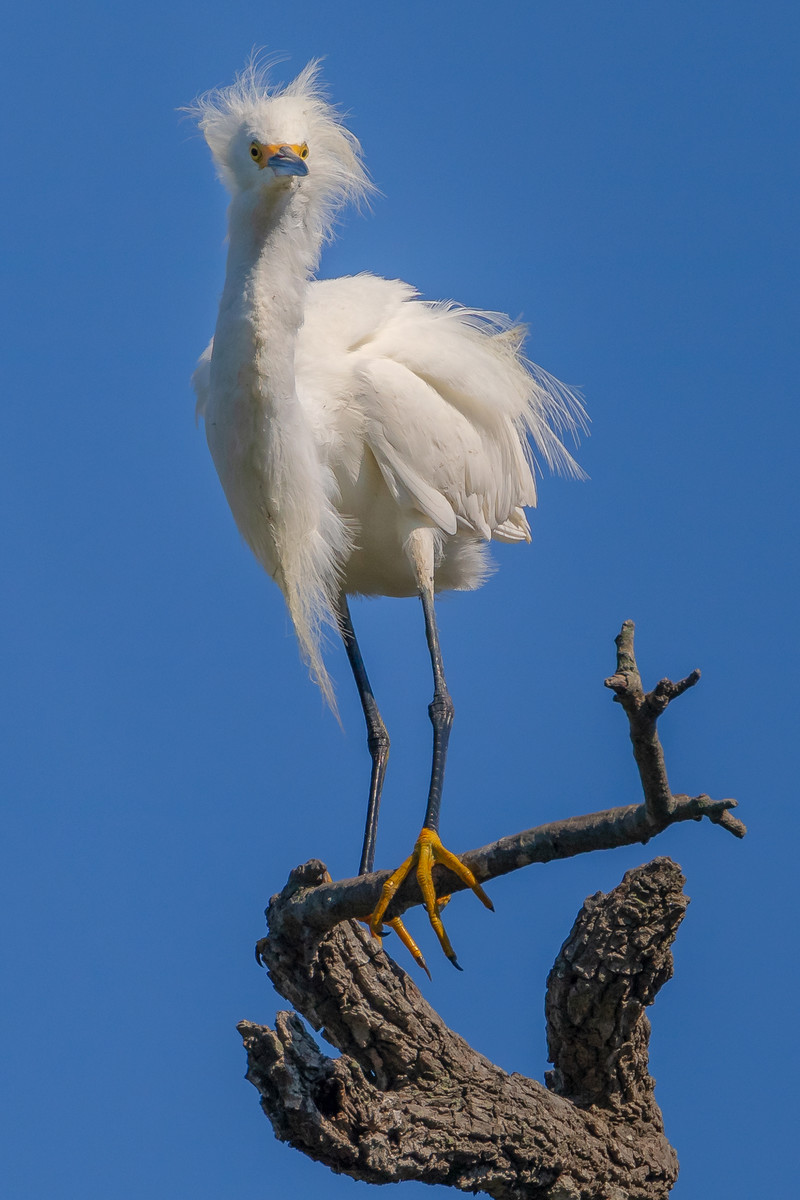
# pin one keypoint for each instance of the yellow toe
(387, 893)
(427, 852)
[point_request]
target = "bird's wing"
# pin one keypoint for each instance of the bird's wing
(444, 400)
(434, 458)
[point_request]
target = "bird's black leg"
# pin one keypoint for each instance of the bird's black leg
(429, 849)
(441, 712)
(377, 737)
(378, 743)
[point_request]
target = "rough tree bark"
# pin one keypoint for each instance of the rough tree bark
(408, 1098)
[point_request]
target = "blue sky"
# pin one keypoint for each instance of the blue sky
(620, 175)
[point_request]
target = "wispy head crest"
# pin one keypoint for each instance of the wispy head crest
(250, 106)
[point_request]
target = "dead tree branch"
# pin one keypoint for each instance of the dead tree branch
(408, 1098)
(330, 903)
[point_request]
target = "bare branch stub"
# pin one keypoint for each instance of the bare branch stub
(409, 1099)
(643, 710)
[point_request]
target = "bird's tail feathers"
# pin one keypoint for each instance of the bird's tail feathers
(504, 382)
(552, 411)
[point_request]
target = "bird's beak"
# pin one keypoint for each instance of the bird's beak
(285, 160)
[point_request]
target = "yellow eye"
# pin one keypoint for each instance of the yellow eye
(256, 153)
(304, 151)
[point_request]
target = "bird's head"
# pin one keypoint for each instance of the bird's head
(262, 139)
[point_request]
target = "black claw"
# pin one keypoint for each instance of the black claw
(455, 963)
(259, 956)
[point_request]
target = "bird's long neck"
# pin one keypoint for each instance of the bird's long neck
(271, 255)
(278, 484)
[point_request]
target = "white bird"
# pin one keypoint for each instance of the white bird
(368, 442)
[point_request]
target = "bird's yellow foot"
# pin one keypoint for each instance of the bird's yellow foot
(427, 852)
(405, 937)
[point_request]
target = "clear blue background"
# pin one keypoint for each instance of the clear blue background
(619, 174)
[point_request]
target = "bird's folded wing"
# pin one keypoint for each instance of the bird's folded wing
(433, 458)
(408, 488)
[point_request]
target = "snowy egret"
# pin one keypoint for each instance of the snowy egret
(368, 442)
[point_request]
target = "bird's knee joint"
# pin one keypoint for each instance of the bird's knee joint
(441, 709)
(378, 742)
